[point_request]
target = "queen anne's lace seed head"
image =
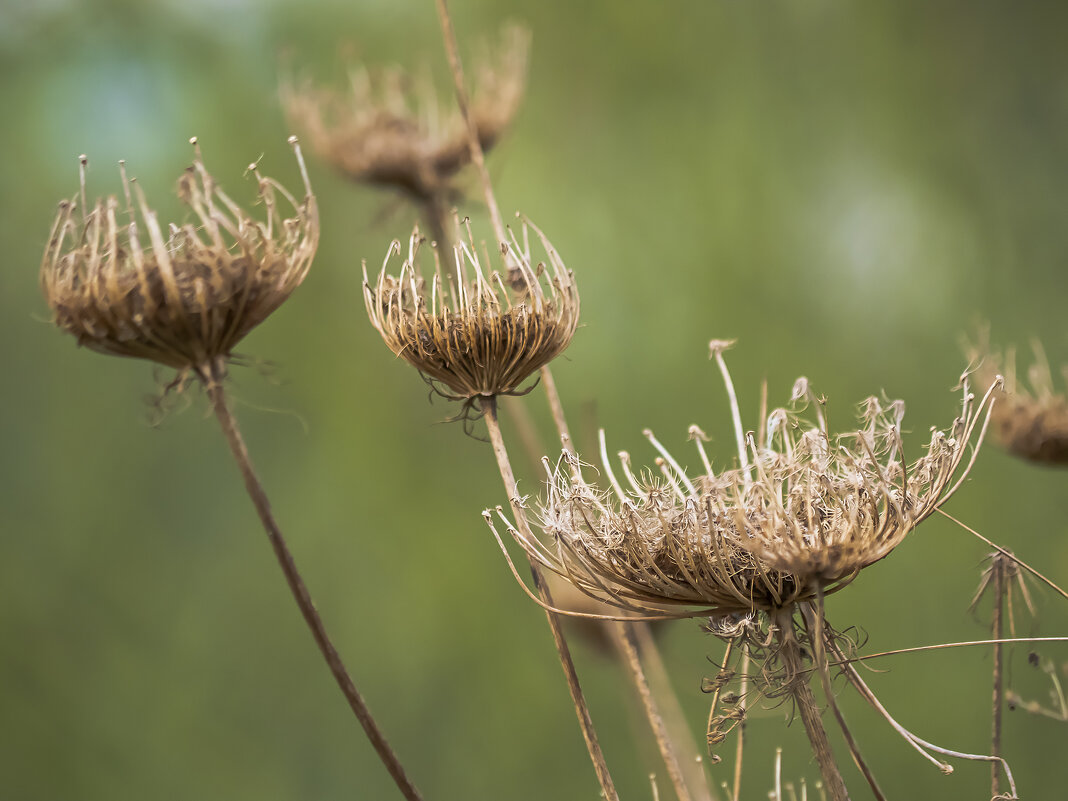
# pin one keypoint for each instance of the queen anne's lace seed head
(802, 515)
(467, 329)
(393, 130)
(187, 297)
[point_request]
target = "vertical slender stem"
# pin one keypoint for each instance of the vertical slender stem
(489, 411)
(213, 384)
(743, 670)
(790, 653)
(814, 619)
(625, 640)
(997, 625)
(472, 131)
(557, 408)
(671, 711)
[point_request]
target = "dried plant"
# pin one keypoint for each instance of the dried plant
(392, 129)
(801, 515)
(185, 300)
(472, 332)
(1031, 418)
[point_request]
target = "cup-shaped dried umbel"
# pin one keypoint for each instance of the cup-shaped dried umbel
(120, 284)
(1031, 417)
(392, 129)
(470, 330)
(801, 514)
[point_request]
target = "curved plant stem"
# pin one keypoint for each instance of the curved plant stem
(473, 142)
(998, 566)
(625, 640)
(213, 384)
(790, 652)
(743, 688)
(489, 411)
(816, 623)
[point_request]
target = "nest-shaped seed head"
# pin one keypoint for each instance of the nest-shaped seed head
(1031, 416)
(472, 331)
(801, 514)
(121, 285)
(392, 129)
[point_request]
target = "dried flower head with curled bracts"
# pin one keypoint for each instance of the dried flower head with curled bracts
(800, 516)
(393, 130)
(187, 297)
(467, 328)
(1031, 418)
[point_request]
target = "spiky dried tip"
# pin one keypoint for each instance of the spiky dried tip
(186, 296)
(803, 514)
(469, 331)
(1030, 417)
(391, 129)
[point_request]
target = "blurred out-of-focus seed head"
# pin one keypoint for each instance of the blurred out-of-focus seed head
(800, 515)
(184, 296)
(1030, 417)
(391, 129)
(469, 331)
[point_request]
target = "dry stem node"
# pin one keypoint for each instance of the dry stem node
(186, 300)
(471, 330)
(801, 515)
(392, 129)
(1030, 420)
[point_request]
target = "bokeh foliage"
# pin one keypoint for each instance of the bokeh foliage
(846, 188)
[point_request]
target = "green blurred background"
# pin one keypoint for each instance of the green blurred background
(846, 188)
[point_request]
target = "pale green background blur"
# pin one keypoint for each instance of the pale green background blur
(845, 187)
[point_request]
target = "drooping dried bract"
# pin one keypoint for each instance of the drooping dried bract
(472, 330)
(801, 514)
(391, 129)
(1031, 418)
(183, 299)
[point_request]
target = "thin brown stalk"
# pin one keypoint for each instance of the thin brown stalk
(743, 688)
(923, 747)
(814, 619)
(214, 386)
(473, 142)
(489, 412)
(996, 626)
(557, 408)
(1006, 553)
(671, 711)
(626, 642)
(805, 703)
(844, 660)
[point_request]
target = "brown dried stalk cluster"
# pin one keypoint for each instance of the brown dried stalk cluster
(1031, 418)
(184, 300)
(476, 332)
(392, 129)
(801, 515)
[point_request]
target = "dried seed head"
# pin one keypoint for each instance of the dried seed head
(393, 130)
(185, 300)
(468, 329)
(801, 515)
(1030, 418)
